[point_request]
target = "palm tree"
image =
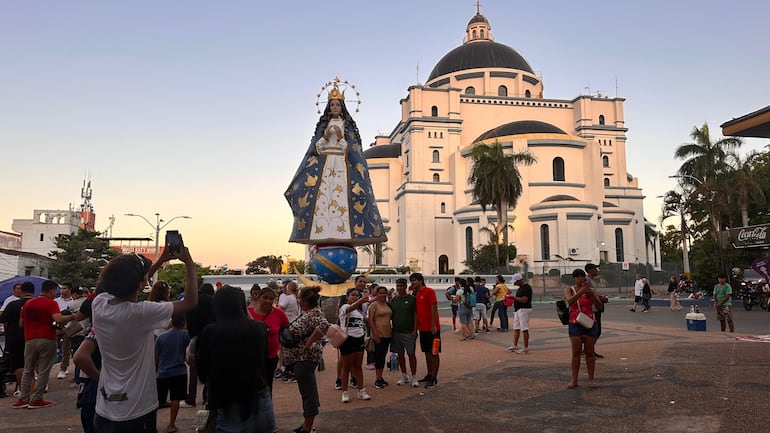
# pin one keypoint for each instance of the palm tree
(705, 159)
(705, 164)
(744, 186)
(497, 182)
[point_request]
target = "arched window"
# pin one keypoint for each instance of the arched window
(41, 237)
(619, 256)
(443, 207)
(610, 142)
(605, 161)
(545, 242)
(502, 91)
(443, 264)
(468, 243)
(470, 90)
(606, 182)
(434, 111)
(601, 119)
(474, 34)
(558, 169)
(527, 94)
(436, 177)
(436, 157)
(482, 33)
(441, 134)
(430, 134)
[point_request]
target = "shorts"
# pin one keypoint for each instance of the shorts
(637, 299)
(352, 345)
(479, 311)
(577, 330)
(466, 315)
(521, 319)
(725, 312)
(426, 341)
(402, 342)
(176, 385)
(454, 309)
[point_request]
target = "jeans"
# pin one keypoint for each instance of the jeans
(502, 311)
(260, 419)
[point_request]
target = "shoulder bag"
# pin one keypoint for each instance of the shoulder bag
(337, 335)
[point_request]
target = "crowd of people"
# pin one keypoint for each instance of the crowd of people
(132, 358)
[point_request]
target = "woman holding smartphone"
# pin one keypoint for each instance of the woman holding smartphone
(581, 299)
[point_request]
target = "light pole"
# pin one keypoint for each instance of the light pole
(157, 227)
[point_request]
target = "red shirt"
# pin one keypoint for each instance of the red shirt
(426, 299)
(275, 320)
(37, 316)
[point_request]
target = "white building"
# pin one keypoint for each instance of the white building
(38, 235)
(579, 203)
(19, 263)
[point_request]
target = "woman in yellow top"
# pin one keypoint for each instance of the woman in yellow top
(500, 292)
(380, 314)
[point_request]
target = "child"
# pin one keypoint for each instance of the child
(170, 350)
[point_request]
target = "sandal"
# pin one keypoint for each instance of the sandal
(572, 385)
(593, 384)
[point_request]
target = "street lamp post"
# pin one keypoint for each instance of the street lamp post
(157, 227)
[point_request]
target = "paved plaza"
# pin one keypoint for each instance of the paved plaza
(656, 377)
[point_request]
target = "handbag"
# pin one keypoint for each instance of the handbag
(336, 336)
(585, 320)
(369, 346)
(562, 311)
(285, 337)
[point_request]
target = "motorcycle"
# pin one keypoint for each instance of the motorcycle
(751, 296)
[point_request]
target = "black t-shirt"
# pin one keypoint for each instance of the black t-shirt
(11, 315)
(523, 290)
(201, 315)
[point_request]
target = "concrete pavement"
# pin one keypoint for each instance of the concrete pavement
(655, 376)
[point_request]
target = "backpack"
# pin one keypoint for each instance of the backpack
(469, 297)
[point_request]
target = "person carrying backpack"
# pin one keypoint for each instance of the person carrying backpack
(465, 297)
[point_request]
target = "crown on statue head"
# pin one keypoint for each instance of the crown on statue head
(336, 90)
(336, 94)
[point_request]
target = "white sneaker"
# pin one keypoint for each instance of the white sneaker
(404, 380)
(346, 396)
(362, 395)
(524, 351)
(415, 382)
(17, 393)
(512, 348)
(62, 374)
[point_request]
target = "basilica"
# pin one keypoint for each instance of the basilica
(579, 203)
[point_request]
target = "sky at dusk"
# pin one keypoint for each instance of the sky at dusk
(205, 109)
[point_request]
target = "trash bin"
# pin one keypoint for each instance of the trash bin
(696, 321)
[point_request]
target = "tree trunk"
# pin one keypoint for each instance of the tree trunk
(502, 220)
(745, 215)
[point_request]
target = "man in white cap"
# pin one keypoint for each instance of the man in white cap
(522, 310)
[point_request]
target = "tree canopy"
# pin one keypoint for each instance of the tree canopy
(80, 258)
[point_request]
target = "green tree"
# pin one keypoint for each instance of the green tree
(175, 275)
(497, 182)
(265, 265)
(486, 259)
(80, 258)
(744, 184)
(671, 245)
(704, 167)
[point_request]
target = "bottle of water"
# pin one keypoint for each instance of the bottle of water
(692, 308)
(393, 362)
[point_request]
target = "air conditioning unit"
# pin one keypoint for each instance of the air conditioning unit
(574, 251)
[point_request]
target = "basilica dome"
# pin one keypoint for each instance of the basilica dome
(479, 51)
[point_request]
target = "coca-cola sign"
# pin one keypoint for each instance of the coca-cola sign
(749, 237)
